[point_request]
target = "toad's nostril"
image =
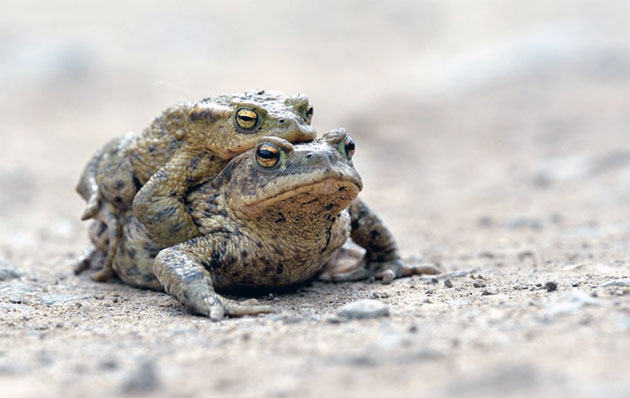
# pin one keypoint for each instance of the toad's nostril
(310, 155)
(281, 121)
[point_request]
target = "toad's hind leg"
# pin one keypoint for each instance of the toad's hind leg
(92, 257)
(382, 258)
(183, 276)
(111, 219)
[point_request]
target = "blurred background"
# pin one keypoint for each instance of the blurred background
(491, 135)
(466, 114)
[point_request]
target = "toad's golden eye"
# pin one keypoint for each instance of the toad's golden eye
(349, 146)
(267, 155)
(246, 119)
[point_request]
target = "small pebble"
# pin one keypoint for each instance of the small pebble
(479, 284)
(363, 309)
(617, 282)
(551, 286)
(448, 283)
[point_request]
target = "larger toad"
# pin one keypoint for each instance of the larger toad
(273, 217)
(184, 147)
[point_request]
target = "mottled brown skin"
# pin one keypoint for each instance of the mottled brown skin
(261, 226)
(184, 147)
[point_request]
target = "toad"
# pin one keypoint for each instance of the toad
(273, 217)
(185, 146)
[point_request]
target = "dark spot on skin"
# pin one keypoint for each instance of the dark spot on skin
(131, 252)
(222, 231)
(173, 229)
(280, 269)
(259, 244)
(328, 235)
(268, 269)
(151, 251)
(189, 181)
(244, 255)
(118, 199)
(341, 189)
(151, 148)
(215, 260)
(227, 173)
(166, 212)
(173, 194)
(120, 184)
(205, 114)
(329, 206)
(191, 277)
(113, 151)
(280, 218)
(194, 162)
(315, 200)
(278, 250)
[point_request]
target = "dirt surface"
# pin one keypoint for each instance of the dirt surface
(493, 140)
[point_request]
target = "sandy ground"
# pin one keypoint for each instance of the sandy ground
(493, 140)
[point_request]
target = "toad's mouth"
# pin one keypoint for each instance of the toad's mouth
(335, 195)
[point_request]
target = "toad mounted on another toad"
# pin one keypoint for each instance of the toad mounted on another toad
(274, 216)
(184, 147)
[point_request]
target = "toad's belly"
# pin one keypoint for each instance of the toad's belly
(277, 265)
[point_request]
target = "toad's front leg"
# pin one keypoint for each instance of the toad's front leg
(160, 204)
(182, 274)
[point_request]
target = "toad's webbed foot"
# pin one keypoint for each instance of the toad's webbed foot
(91, 258)
(216, 307)
(93, 205)
(390, 270)
(183, 276)
(386, 272)
(382, 259)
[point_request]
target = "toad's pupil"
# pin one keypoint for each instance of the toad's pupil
(246, 118)
(350, 145)
(266, 153)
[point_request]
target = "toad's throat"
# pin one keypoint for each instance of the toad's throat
(343, 192)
